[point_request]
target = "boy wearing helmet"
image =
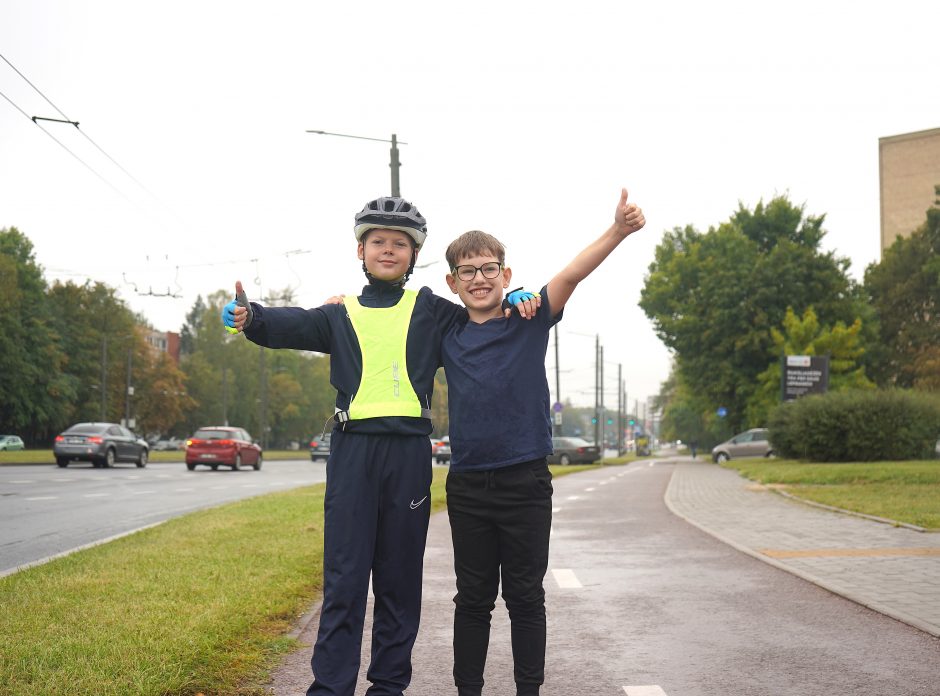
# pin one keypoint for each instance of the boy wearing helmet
(385, 349)
(499, 486)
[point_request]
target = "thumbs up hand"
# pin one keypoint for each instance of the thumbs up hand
(237, 314)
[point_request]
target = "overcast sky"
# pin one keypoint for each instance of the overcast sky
(521, 119)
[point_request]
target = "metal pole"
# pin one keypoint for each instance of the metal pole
(619, 409)
(104, 375)
(603, 419)
(127, 395)
(395, 165)
(597, 386)
(264, 399)
(224, 395)
(557, 378)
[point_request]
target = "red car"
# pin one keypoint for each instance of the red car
(222, 445)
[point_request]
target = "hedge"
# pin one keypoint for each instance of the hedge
(857, 426)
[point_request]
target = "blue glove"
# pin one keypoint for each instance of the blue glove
(228, 311)
(518, 295)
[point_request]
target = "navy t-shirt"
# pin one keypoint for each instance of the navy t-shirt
(497, 390)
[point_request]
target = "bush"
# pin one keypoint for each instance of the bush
(857, 426)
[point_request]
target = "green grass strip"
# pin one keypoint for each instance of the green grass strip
(199, 604)
(906, 492)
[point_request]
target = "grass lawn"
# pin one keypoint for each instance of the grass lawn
(902, 491)
(199, 604)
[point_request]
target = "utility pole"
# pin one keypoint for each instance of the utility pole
(619, 409)
(264, 398)
(557, 428)
(603, 419)
(130, 390)
(394, 162)
(597, 387)
(104, 375)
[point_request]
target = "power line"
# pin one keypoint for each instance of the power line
(64, 147)
(75, 123)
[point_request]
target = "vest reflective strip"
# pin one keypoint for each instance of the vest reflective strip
(385, 388)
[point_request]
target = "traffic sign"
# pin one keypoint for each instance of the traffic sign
(556, 407)
(722, 412)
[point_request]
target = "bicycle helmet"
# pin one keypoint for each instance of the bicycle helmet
(392, 213)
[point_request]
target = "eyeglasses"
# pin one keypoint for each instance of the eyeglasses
(468, 273)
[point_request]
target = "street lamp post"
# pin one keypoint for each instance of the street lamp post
(394, 163)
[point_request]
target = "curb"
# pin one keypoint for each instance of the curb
(832, 508)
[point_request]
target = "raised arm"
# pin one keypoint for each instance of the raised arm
(628, 218)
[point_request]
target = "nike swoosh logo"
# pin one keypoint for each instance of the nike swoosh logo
(414, 505)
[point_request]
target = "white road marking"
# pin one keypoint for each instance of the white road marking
(556, 510)
(565, 578)
(45, 497)
(63, 480)
(142, 492)
(22, 481)
(573, 497)
(588, 490)
(183, 490)
(96, 495)
(651, 463)
(603, 483)
(651, 690)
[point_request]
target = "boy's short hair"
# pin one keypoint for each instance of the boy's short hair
(473, 243)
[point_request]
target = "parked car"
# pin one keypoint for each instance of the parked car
(222, 444)
(170, 444)
(573, 450)
(440, 450)
(102, 444)
(9, 443)
(320, 447)
(750, 443)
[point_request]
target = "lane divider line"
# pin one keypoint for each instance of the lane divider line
(566, 579)
(650, 690)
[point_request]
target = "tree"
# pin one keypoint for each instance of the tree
(225, 373)
(904, 289)
(806, 337)
(101, 335)
(35, 394)
(714, 297)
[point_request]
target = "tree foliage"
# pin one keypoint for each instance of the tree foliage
(714, 297)
(35, 392)
(904, 289)
(805, 336)
(69, 353)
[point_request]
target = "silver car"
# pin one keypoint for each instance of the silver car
(750, 443)
(102, 444)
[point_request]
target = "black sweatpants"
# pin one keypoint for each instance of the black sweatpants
(376, 513)
(500, 520)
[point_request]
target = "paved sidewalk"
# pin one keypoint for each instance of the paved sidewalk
(893, 570)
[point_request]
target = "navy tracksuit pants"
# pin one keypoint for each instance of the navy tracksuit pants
(376, 515)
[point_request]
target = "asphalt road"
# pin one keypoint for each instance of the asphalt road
(45, 510)
(641, 603)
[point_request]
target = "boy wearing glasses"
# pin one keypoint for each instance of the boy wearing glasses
(384, 349)
(499, 487)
